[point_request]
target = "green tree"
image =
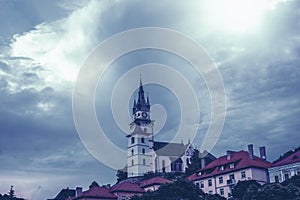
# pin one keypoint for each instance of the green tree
(195, 163)
(178, 190)
(11, 193)
(122, 174)
(244, 190)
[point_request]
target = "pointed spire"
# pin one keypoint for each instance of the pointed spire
(134, 106)
(141, 83)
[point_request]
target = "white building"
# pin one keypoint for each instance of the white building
(221, 175)
(144, 153)
(285, 168)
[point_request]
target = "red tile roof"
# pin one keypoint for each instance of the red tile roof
(240, 159)
(293, 158)
(155, 181)
(127, 187)
(97, 191)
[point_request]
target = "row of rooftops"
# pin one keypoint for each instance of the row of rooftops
(107, 192)
(234, 161)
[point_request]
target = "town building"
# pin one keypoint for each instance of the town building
(125, 190)
(64, 194)
(221, 175)
(95, 193)
(144, 153)
(285, 168)
(154, 183)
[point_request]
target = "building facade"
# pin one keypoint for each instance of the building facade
(144, 154)
(221, 175)
(286, 168)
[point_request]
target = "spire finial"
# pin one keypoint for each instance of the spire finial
(141, 83)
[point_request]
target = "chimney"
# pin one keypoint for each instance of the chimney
(250, 151)
(78, 191)
(203, 163)
(229, 154)
(262, 151)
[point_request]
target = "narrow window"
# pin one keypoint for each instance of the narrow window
(202, 184)
(163, 166)
(143, 150)
(144, 162)
(220, 179)
(222, 191)
(143, 140)
(286, 176)
(132, 162)
(209, 182)
(132, 152)
(243, 174)
(132, 140)
(276, 179)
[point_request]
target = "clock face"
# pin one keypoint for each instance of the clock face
(144, 114)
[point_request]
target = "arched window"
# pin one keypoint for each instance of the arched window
(163, 166)
(143, 150)
(132, 140)
(132, 152)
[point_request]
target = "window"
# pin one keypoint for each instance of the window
(132, 162)
(132, 140)
(132, 152)
(231, 166)
(199, 173)
(123, 197)
(286, 176)
(144, 162)
(276, 179)
(243, 174)
(221, 168)
(231, 176)
(201, 184)
(143, 150)
(209, 182)
(163, 166)
(220, 179)
(222, 191)
(143, 140)
(210, 192)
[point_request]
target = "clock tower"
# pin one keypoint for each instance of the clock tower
(140, 139)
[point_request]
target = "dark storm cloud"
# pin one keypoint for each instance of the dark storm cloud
(260, 73)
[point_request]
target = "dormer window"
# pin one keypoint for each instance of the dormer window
(199, 173)
(222, 168)
(231, 166)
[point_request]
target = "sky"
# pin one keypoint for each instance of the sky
(254, 44)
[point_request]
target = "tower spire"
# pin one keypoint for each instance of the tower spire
(141, 106)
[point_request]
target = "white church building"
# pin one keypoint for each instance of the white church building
(144, 153)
